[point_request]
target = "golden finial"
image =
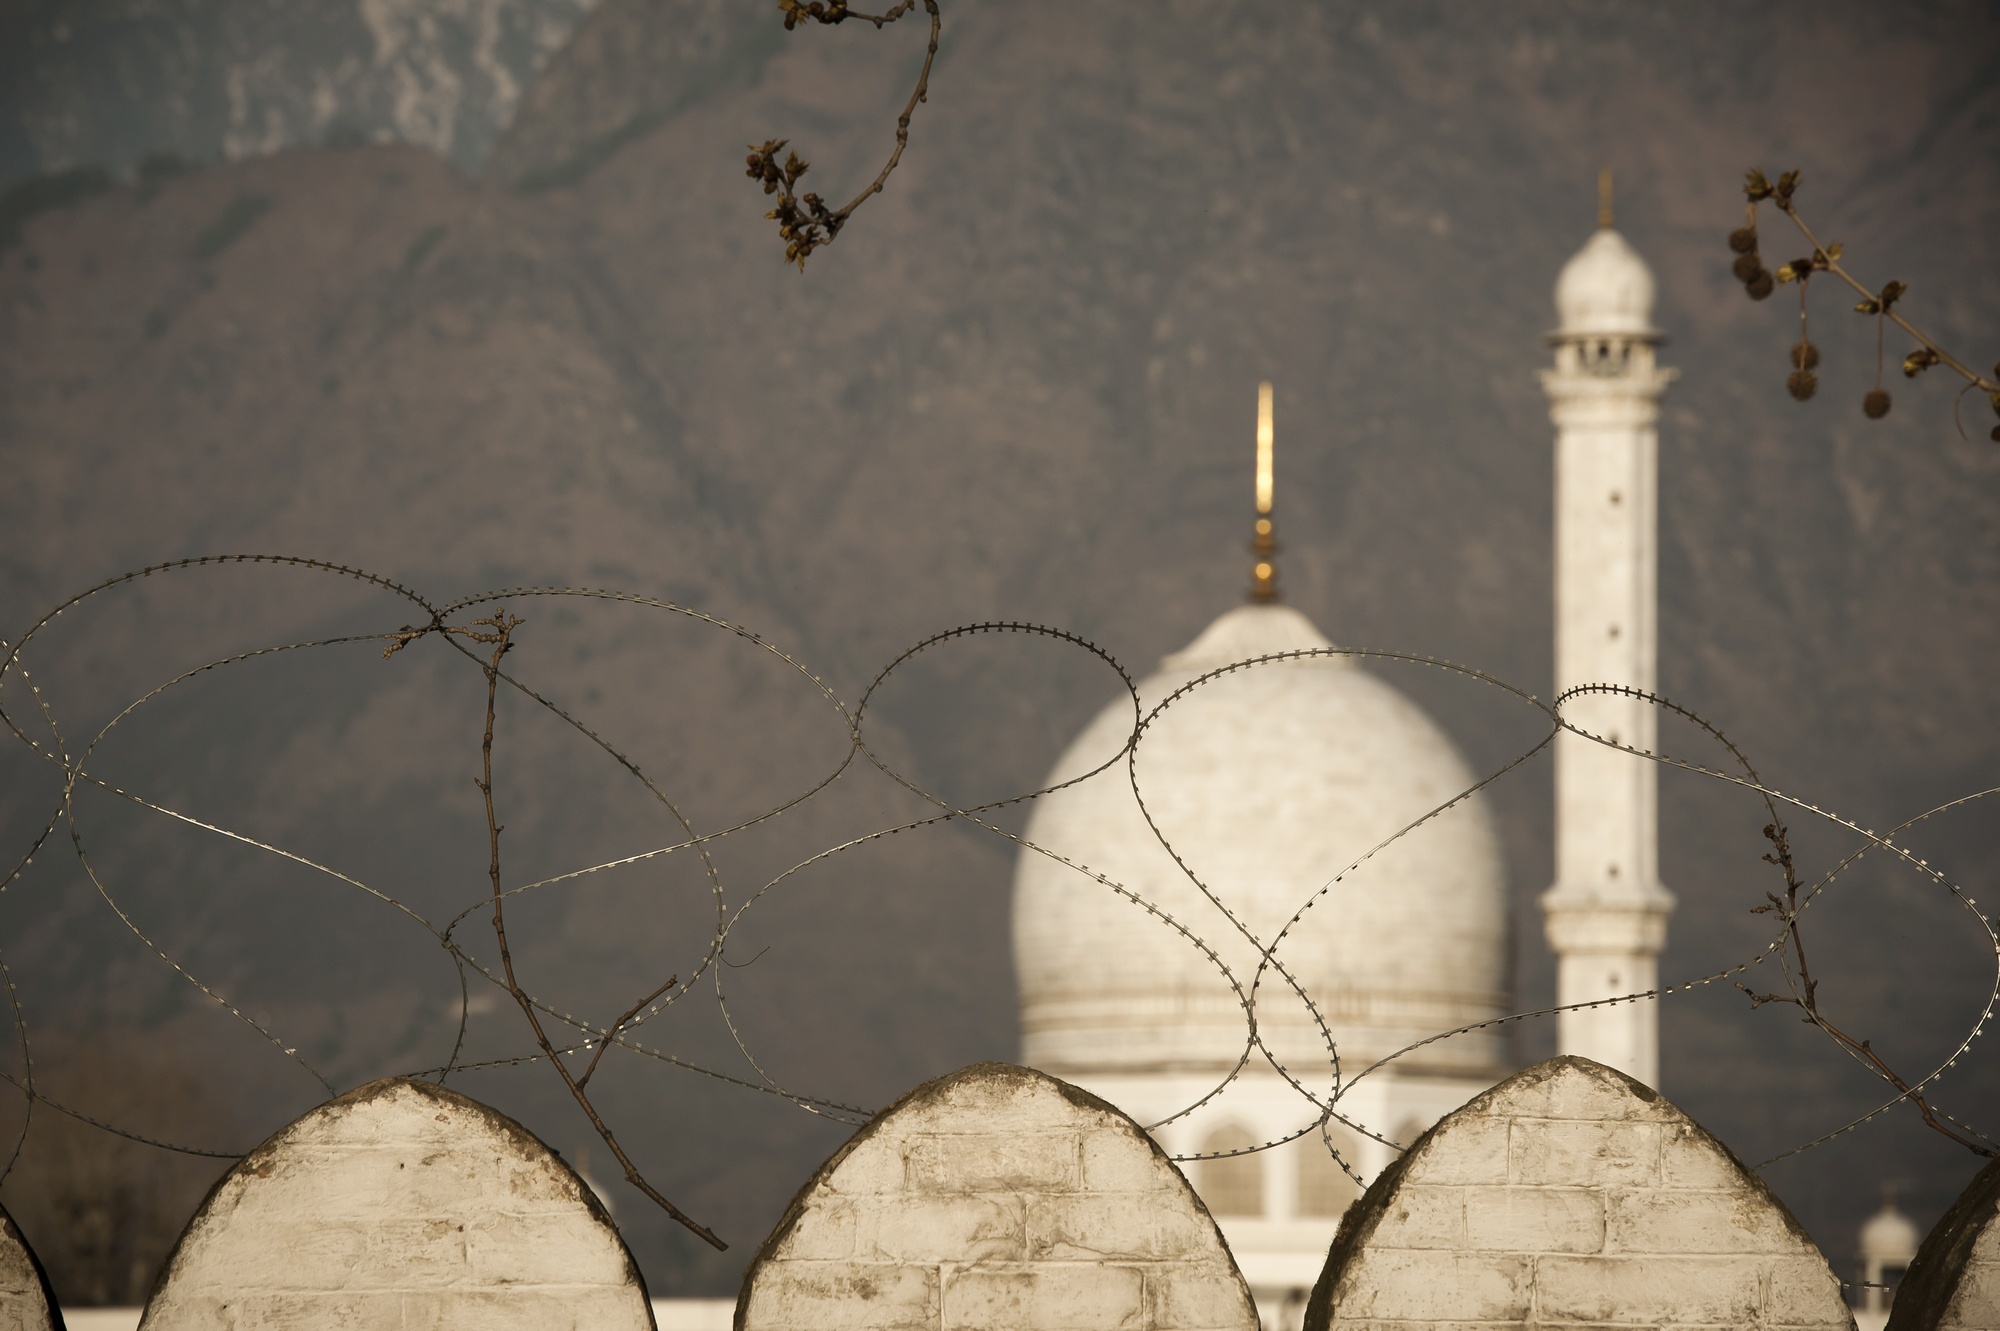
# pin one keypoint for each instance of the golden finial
(1264, 573)
(1604, 199)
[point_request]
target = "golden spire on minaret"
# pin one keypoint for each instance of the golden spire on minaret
(1264, 573)
(1604, 199)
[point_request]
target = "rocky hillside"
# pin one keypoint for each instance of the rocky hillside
(109, 85)
(1020, 385)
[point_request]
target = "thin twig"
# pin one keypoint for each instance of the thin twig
(1806, 997)
(805, 222)
(1828, 261)
(619, 1025)
(1758, 284)
(500, 638)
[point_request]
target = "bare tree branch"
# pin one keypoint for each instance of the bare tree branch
(619, 1025)
(805, 223)
(1805, 993)
(1759, 282)
(497, 632)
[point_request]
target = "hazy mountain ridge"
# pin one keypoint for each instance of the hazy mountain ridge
(1020, 386)
(108, 85)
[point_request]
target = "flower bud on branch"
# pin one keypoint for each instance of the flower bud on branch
(807, 223)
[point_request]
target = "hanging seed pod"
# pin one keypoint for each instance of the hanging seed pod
(1805, 356)
(1802, 384)
(1743, 240)
(1760, 286)
(1747, 265)
(1876, 405)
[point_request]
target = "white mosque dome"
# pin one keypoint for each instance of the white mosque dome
(1889, 1237)
(1606, 290)
(1269, 781)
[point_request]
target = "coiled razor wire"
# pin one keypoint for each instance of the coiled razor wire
(1321, 1089)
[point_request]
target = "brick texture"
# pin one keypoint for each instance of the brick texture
(401, 1205)
(1572, 1196)
(996, 1199)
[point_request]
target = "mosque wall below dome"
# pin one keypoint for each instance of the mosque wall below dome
(1152, 1030)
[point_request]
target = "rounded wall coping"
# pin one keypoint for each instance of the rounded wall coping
(10, 1233)
(936, 1089)
(1928, 1287)
(257, 1161)
(1362, 1219)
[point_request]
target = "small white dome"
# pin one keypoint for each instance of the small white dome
(1269, 781)
(1889, 1237)
(1605, 289)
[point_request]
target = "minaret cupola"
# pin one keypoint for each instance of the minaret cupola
(1604, 299)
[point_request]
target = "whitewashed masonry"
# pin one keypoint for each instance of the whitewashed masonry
(398, 1205)
(1571, 1195)
(996, 1198)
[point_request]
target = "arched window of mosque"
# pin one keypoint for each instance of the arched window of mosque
(1231, 1184)
(1325, 1189)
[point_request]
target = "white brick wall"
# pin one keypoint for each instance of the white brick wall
(24, 1298)
(401, 1205)
(1572, 1196)
(996, 1198)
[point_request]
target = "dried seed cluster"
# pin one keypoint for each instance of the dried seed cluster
(1758, 283)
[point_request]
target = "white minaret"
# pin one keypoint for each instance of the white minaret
(1889, 1244)
(1607, 913)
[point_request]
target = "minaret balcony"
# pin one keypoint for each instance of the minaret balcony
(1607, 920)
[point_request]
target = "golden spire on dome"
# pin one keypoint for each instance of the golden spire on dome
(1264, 545)
(1604, 199)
